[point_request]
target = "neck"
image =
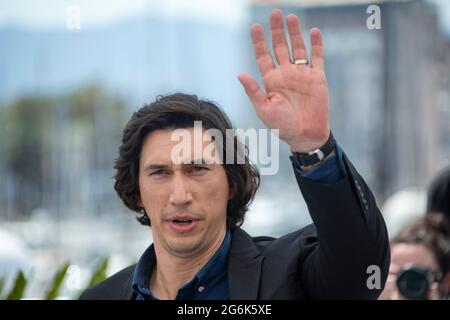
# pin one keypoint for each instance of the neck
(172, 272)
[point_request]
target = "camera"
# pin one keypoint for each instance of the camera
(415, 282)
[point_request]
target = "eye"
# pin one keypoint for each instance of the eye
(197, 169)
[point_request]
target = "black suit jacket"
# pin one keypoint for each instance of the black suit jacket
(325, 260)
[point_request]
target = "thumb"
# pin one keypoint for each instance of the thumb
(254, 92)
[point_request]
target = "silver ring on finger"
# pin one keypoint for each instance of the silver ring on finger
(301, 61)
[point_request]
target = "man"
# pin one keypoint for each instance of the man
(195, 208)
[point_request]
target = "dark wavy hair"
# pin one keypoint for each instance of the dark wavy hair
(175, 111)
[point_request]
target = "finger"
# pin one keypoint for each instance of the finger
(262, 54)
(317, 58)
(295, 34)
(280, 46)
(254, 92)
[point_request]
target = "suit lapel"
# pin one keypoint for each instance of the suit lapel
(244, 267)
(127, 292)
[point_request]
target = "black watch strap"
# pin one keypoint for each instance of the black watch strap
(316, 156)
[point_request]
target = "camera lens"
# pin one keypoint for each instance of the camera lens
(413, 283)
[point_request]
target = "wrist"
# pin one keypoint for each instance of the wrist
(305, 145)
(305, 149)
(310, 160)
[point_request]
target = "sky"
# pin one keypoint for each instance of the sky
(51, 14)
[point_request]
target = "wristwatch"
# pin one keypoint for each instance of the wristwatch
(315, 156)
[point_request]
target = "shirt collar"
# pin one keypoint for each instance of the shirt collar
(213, 268)
(217, 264)
(143, 270)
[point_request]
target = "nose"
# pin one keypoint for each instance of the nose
(180, 195)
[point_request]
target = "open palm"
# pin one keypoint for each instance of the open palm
(295, 99)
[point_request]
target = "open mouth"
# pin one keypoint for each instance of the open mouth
(182, 221)
(183, 225)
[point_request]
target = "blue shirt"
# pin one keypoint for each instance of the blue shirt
(211, 282)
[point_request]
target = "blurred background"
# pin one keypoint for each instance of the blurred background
(73, 72)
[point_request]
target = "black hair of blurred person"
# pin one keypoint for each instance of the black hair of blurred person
(439, 193)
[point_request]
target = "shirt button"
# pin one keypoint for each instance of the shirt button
(200, 289)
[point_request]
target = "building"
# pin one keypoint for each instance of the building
(384, 84)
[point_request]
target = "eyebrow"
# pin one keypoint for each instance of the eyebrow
(156, 166)
(197, 161)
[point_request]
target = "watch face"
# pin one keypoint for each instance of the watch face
(309, 158)
(317, 154)
(320, 154)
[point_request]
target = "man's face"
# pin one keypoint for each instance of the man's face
(404, 255)
(186, 203)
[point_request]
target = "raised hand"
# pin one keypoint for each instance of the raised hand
(295, 99)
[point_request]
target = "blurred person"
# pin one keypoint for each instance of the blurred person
(439, 201)
(419, 258)
(195, 209)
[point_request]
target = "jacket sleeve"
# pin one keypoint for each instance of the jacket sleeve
(351, 239)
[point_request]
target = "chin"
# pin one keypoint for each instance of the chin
(186, 245)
